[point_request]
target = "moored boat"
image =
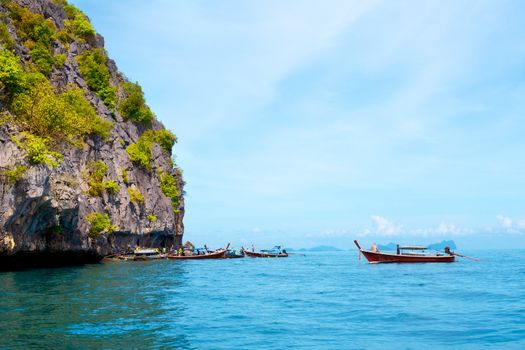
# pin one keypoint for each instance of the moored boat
(147, 254)
(406, 254)
(199, 254)
(232, 254)
(275, 252)
(219, 254)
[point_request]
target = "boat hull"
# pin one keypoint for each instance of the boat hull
(149, 257)
(233, 256)
(264, 255)
(215, 255)
(378, 257)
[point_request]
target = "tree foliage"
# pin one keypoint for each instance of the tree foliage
(111, 186)
(168, 185)
(134, 106)
(125, 176)
(48, 116)
(38, 34)
(14, 174)
(165, 139)
(78, 23)
(36, 149)
(11, 73)
(63, 116)
(100, 223)
(95, 174)
(134, 195)
(93, 66)
(140, 152)
(5, 38)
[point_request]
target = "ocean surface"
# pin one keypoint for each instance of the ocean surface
(317, 301)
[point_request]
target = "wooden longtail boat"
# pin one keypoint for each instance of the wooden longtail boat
(276, 252)
(147, 254)
(265, 255)
(402, 257)
(232, 254)
(219, 254)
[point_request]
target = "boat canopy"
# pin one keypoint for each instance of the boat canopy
(200, 250)
(188, 245)
(412, 247)
(146, 252)
(275, 249)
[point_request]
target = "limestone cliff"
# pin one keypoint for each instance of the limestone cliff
(85, 168)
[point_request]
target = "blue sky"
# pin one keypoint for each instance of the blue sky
(317, 122)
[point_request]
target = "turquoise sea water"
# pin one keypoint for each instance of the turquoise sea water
(318, 301)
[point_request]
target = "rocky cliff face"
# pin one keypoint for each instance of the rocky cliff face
(86, 169)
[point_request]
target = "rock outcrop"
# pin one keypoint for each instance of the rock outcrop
(58, 213)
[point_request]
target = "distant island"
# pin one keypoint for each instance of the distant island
(320, 248)
(435, 246)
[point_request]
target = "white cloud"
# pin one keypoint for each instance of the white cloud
(382, 227)
(509, 225)
(447, 229)
(505, 221)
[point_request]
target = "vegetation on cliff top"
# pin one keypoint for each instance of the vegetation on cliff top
(67, 115)
(48, 116)
(38, 35)
(78, 23)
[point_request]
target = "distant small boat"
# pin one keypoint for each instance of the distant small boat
(405, 254)
(275, 252)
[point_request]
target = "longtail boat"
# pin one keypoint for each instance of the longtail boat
(147, 254)
(405, 254)
(213, 255)
(232, 254)
(275, 252)
(218, 254)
